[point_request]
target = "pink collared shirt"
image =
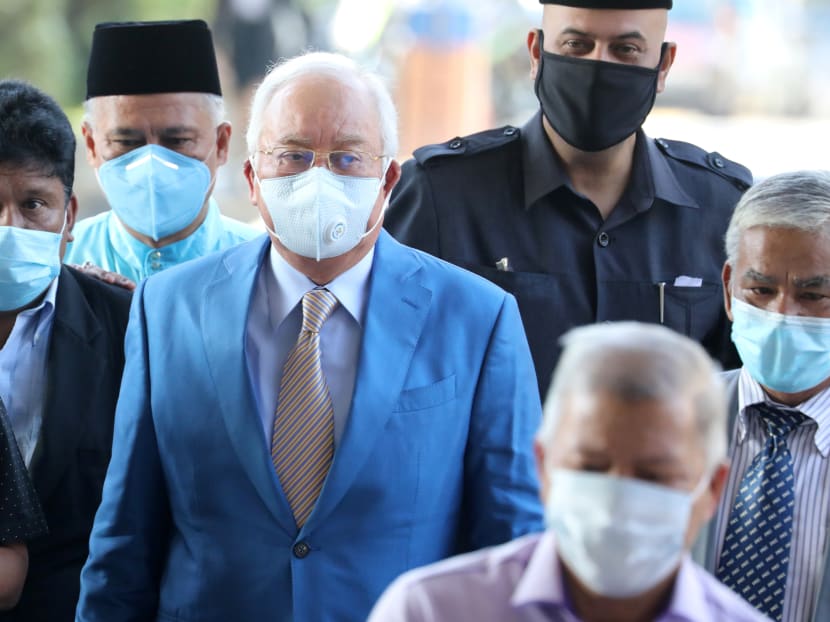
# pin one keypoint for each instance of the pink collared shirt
(521, 581)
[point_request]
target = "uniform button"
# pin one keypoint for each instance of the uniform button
(301, 550)
(509, 131)
(456, 144)
(155, 265)
(716, 161)
(603, 239)
(156, 255)
(662, 143)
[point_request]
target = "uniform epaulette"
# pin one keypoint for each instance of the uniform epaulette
(474, 143)
(736, 173)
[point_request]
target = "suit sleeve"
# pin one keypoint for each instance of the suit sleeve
(411, 217)
(120, 580)
(501, 498)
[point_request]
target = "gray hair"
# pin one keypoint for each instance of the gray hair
(798, 200)
(635, 361)
(334, 65)
(214, 103)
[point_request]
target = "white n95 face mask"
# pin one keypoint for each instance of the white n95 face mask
(619, 536)
(318, 214)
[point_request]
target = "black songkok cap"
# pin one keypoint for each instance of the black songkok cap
(140, 58)
(622, 5)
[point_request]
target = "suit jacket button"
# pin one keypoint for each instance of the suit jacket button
(301, 550)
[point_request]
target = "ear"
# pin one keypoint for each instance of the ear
(541, 471)
(393, 176)
(71, 216)
(92, 155)
(534, 50)
(223, 141)
(716, 487)
(666, 64)
(726, 278)
(248, 171)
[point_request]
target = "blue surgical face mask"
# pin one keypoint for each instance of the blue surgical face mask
(154, 190)
(786, 353)
(29, 261)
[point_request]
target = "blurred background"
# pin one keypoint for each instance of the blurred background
(751, 79)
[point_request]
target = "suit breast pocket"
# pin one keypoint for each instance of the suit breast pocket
(428, 396)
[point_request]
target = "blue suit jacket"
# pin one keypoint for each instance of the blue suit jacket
(435, 458)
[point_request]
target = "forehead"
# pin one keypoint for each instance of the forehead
(784, 249)
(156, 110)
(628, 429)
(605, 23)
(322, 111)
(17, 178)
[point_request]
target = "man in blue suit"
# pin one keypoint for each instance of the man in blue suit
(258, 474)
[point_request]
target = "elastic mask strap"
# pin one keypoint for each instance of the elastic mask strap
(259, 183)
(385, 202)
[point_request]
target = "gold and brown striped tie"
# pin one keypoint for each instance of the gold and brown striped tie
(302, 445)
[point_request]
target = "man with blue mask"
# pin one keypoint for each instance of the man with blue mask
(578, 213)
(631, 455)
(776, 505)
(335, 407)
(61, 347)
(155, 134)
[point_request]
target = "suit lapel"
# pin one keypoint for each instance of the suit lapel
(395, 313)
(72, 365)
(224, 318)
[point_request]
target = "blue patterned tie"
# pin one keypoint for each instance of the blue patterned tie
(302, 444)
(756, 548)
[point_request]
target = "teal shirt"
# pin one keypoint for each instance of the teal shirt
(103, 241)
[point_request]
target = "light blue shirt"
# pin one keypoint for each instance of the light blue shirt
(103, 241)
(274, 322)
(23, 371)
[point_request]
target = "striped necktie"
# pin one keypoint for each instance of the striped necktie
(756, 548)
(302, 445)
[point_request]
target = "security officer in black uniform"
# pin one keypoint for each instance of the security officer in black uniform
(578, 213)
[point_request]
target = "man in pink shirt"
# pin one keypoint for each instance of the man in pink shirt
(632, 459)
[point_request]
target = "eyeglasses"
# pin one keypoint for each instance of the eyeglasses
(286, 162)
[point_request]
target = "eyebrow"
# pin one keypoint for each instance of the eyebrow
(347, 140)
(754, 275)
(813, 282)
(129, 132)
(634, 34)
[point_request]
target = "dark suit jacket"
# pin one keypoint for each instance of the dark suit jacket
(84, 365)
(705, 549)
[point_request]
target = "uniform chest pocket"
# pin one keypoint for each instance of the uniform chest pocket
(693, 311)
(428, 396)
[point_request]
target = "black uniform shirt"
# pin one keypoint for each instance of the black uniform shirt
(500, 204)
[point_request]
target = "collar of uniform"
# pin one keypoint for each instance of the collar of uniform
(816, 408)
(198, 243)
(651, 176)
(351, 288)
(543, 172)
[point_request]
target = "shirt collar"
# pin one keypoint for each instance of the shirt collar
(42, 314)
(816, 408)
(198, 243)
(688, 601)
(351, 288)
(651, 175)
(542, 581)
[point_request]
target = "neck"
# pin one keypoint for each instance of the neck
(645, 607)
(794, 399)
(602, 176)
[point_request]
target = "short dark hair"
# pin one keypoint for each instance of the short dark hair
(35, 132)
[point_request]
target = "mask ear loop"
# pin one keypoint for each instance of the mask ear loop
(379, 219)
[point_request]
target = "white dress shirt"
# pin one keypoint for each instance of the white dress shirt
(274, 322)
(23, 371)
(809, 445)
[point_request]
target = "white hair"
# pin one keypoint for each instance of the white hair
(798, 200)
(215, 104)
(336, 66)
(635, 361)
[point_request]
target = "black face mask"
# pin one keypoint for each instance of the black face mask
(592, 104)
